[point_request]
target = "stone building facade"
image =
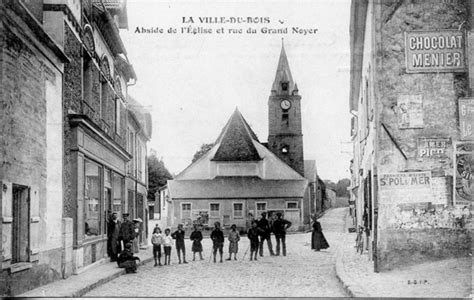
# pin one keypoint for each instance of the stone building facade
(31, 80)
(73, 143)
(411, 178)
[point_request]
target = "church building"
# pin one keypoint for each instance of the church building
(240, 175)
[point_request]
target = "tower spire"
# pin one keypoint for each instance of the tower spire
(283, 83)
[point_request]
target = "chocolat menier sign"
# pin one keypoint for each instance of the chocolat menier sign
(435, 51)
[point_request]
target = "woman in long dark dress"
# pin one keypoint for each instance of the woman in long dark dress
(318, 241)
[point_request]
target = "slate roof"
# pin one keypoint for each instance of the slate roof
(236, 141)
(283, 73)
(236, 187)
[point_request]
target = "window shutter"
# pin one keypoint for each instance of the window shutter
(34, 224)
(6, 222)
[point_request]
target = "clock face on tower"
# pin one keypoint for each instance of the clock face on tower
(285, 104)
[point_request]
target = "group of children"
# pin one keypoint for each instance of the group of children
(217, 236)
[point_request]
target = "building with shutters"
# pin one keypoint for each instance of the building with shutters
(241, 175)
(73, 146)
(31, 192)
(410, 89)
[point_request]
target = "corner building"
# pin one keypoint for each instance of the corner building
(410, 89)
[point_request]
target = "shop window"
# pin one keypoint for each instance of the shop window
(117, 194)
(92, 210)
(215, 210)
(238, 210)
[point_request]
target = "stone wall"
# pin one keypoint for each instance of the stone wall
(407, 234)
(26, 71)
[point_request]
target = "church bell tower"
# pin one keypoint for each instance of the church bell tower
(285, 137)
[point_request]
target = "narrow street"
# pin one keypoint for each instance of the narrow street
(302, 273)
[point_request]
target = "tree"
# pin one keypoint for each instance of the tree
(157, 174)
(340, 187)
(204, 149)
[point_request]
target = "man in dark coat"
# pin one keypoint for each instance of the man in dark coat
(280, 226)
(127, 233)
(265, 230)
(113, 242)
(178, 235)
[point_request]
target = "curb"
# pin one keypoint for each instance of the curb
(120, 272)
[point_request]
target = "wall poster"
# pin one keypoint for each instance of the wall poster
(410, 111)
(463, 174)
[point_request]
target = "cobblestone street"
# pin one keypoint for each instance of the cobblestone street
(302, 273)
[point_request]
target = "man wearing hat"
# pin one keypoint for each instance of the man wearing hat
(126, 230)
(280, 226)
(265, 230)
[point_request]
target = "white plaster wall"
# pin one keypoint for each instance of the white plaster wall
(52, 219)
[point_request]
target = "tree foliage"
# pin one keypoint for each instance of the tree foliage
(203, 150)
(158, 174)
(340, 187)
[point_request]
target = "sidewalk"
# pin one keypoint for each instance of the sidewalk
(78, 285)
(446, 278)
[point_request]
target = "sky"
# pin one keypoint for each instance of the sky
(192, 83)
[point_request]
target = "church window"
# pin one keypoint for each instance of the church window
(261, 208)
(238, 210)
(185, 211)
(215, 210)
(285, 149)
(284, 86)
(285, 121)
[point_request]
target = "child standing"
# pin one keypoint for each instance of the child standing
(253, 234)
(234, 239)
(167, 246)
(178, 235)
(196, 237)
(217, 237)
(157, 240)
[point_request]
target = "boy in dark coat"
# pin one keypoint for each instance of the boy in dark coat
(127, 260)
(178, 235)
(196, 237)
(253, 234)
(113, 232)
(217, 237)
(127, 233)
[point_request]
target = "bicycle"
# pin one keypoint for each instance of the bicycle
(360, 240)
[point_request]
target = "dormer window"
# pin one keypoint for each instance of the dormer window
(284, 86)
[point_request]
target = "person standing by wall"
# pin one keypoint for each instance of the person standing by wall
(126, 234)
(280, 226)
(113, 242)
(264, 225)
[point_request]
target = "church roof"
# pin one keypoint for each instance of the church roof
(235, 141)
(283, 73)
(236, 187)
